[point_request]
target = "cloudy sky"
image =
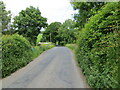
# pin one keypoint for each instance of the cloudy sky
(54, 10)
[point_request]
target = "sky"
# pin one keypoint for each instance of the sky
(53, 10)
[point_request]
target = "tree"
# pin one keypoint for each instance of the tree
(29, 23)
(67, 33)
(85, 11)
(5, 18)
(61, 33)
(51, 32)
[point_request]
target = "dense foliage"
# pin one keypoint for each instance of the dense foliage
(85, 11)
(60, 33)
(29, 23)
(16, 53)
(5, 18)
(67, 32)
(18, 49)
(98, 47)
(51, 32)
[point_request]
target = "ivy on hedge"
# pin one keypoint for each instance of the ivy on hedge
(98, 47)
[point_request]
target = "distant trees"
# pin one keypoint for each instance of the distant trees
(61, 33)
(29, 23)
(5, 18)
(66, 32)
(51, 32)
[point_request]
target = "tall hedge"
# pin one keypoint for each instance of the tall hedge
(99, 49)
(16, 53)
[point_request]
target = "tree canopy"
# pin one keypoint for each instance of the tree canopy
(29, 23)
(51, 32)
(5, 18)
(67, 33)
(85, 11)
(61, 33)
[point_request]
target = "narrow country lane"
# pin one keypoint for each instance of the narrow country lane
(55, 68)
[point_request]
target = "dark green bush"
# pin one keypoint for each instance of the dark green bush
(16, 53)
(98, 48)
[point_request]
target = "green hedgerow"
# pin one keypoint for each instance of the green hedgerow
(98, 47)
(16, 53)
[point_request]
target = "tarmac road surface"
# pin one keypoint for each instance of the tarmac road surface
(55, 68)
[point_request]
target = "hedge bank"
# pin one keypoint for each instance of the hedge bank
(99, 49)
(16, 53)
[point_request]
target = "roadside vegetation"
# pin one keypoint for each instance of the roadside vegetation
(20, 40)
(17, 52)
(72, 46)
(93, 35)
(98, 48)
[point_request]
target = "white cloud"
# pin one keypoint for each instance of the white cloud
(54, 10)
